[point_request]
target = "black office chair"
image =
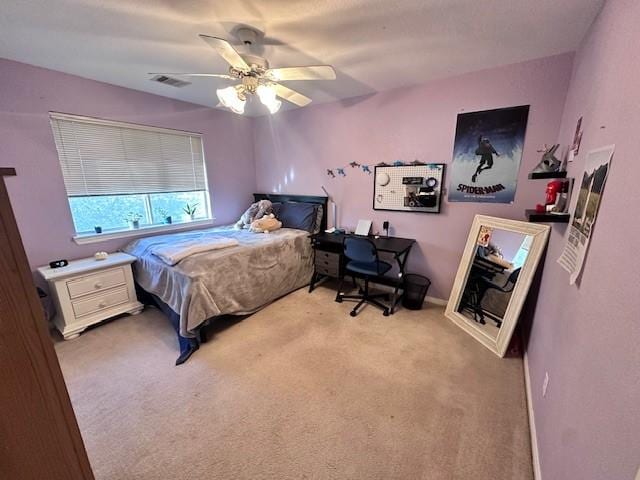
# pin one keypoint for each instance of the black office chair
(363, 262)
(484, 285)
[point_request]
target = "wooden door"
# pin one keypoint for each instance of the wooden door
(39, 435)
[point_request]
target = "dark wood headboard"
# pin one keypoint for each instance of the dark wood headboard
(277, 197)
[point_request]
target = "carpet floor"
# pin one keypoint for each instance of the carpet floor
(299, 390)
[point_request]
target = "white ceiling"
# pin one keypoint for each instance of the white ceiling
(374, 45)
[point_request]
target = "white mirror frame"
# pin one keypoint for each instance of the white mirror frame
(540, 234)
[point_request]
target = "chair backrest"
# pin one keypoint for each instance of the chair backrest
(511, 281)
(360, 250)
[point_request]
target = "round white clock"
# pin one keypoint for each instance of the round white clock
(383, 179)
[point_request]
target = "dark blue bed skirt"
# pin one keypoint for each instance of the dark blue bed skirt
(187, 345)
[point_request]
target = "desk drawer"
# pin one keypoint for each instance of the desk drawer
(94, 304)
(326, 270)
(96, 282)
(327, 259)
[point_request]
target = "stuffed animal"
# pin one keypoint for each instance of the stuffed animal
(266, 224)
(254, 212)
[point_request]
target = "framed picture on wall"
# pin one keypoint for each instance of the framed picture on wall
(408, 188)
(486, 155)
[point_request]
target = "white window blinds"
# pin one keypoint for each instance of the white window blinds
(100, 157)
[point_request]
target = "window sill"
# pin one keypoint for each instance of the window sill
(85, 238)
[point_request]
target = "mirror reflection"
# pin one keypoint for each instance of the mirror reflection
(498, 260)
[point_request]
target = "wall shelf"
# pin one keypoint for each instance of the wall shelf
(534, 216)
(541, 175)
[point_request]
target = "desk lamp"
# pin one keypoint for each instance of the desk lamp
(334, 219)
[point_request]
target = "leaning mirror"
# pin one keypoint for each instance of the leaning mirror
(497, 267)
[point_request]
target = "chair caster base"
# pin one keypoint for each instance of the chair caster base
(385, 312)
(353, 313)
(339, 299)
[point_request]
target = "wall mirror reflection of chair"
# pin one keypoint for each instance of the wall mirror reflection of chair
(497, 267)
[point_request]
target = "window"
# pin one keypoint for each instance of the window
(121, 176)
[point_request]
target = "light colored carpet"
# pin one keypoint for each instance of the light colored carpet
(299, 390)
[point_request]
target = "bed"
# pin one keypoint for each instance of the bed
(236, 280)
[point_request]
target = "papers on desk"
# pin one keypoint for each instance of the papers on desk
(500, 261)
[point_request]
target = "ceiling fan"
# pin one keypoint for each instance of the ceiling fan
(255, 76)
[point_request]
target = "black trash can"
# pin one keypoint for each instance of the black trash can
(415, 289)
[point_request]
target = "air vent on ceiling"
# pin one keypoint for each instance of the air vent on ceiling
(174, 82)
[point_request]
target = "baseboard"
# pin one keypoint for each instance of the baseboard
(436, 301)
(535, 457)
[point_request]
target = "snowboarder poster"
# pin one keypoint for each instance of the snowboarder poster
(486, 155)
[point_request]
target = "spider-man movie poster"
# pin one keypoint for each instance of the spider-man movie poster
(486, 155)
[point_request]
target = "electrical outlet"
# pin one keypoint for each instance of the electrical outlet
(545, 384)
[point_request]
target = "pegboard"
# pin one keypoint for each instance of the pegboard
(408, 188)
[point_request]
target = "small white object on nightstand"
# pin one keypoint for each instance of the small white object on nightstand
(89, 291)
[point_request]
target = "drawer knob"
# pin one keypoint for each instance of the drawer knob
(97, 285)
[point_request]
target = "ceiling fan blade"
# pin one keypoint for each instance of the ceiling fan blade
(226, 51)
(313, 72)
(291, 95)
(216, 75)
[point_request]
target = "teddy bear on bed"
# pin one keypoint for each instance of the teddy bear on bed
(255, 212)
(266, 224)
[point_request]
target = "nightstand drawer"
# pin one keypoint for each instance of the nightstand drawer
(96, 303)
(96, 282)
(327, 259)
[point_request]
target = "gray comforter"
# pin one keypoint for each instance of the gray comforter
(235, 280)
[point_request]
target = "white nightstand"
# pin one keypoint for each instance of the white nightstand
(88, 291)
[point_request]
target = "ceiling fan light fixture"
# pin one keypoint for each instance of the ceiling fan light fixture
(256, 76)
(268, 98)
(230, 98)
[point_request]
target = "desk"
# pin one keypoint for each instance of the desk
(329, 258)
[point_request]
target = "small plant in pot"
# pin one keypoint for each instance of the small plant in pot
(166, 218)
(98, 229)
(190, 211)
(133, 220)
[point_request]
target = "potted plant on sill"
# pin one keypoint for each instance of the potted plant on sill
(98, 229)
(133, 220)
(166, 218)
(190, 211)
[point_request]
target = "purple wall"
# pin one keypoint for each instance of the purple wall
(588, 336)
(37, 193)
(509, 242)
(585, 336)
(294, 149)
